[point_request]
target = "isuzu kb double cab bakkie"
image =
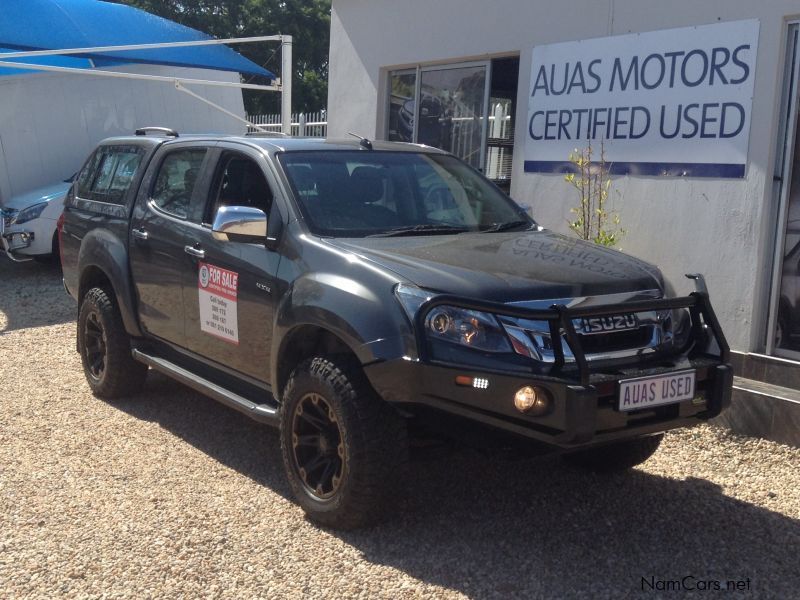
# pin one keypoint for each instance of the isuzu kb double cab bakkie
(344, 290)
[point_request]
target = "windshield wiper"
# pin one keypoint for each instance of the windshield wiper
(422, 229)
(505, 226)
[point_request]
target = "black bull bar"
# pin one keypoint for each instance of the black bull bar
(560, 319)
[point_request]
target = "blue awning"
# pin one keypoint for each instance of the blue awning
(58, 24)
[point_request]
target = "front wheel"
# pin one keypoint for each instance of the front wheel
(619, 456)
(105, 348)
(342, 446)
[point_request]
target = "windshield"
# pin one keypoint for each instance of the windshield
(359, 193)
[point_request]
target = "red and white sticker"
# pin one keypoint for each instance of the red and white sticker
(218, 289)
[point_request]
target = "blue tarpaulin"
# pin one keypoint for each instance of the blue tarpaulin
(59, 24)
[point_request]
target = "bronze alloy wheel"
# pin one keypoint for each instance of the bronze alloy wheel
(343, 447)
(94, 345)
(318, 452)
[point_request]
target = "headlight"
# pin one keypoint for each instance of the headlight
(30, 213)
(466, 328)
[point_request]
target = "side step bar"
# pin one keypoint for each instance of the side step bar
(263, 413)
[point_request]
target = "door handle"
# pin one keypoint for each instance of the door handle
(140, 234)
(196, 252)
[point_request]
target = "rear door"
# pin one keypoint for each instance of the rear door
(229, 300)
(101, 196)
(170, 194)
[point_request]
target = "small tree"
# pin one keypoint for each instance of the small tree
(593, 221)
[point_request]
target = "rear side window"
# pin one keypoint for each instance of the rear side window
(176, 179)
(109, 173)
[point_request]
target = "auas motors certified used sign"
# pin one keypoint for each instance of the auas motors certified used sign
(673, 102)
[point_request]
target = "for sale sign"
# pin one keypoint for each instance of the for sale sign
(217, 290)
(672, 102)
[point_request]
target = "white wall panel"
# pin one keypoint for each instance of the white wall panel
(50, 122)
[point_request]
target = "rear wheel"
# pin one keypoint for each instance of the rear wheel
(615, 457)
(105, 348)
(343, 447)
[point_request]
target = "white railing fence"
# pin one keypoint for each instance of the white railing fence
(313, 124)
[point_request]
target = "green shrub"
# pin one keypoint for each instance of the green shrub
(593, 220)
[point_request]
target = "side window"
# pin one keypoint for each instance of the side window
(108, 173)
(238, 181)
(127, 166)
(174, 184)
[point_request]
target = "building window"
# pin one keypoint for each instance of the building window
(466, 109)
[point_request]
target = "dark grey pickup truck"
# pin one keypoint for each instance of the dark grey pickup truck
(350, 292)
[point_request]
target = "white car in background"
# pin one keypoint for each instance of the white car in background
(28, 222)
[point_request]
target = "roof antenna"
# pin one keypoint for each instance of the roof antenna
(365, 143)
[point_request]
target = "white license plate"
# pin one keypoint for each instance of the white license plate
(644, 392)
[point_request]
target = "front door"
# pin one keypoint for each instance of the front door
(158, 239)
(230, 287)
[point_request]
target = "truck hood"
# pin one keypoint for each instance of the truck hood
(43, 194)
(507, 267)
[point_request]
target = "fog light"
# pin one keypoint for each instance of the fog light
(532, 401)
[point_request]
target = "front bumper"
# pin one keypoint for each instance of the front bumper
(584, 394)
(580, 415)
(14, 240)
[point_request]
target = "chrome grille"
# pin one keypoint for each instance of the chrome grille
(532, 338)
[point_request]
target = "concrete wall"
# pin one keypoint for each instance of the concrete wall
(49, 122)
(723, 228)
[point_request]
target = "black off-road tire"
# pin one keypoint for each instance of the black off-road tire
(105, 348)
(372, 444)
(615, 457)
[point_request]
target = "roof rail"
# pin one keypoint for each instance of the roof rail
(162, 130)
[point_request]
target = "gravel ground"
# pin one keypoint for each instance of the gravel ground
(169, 494)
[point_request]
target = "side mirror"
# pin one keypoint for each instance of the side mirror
(231, 222)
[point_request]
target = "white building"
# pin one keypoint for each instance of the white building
(715, 197)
